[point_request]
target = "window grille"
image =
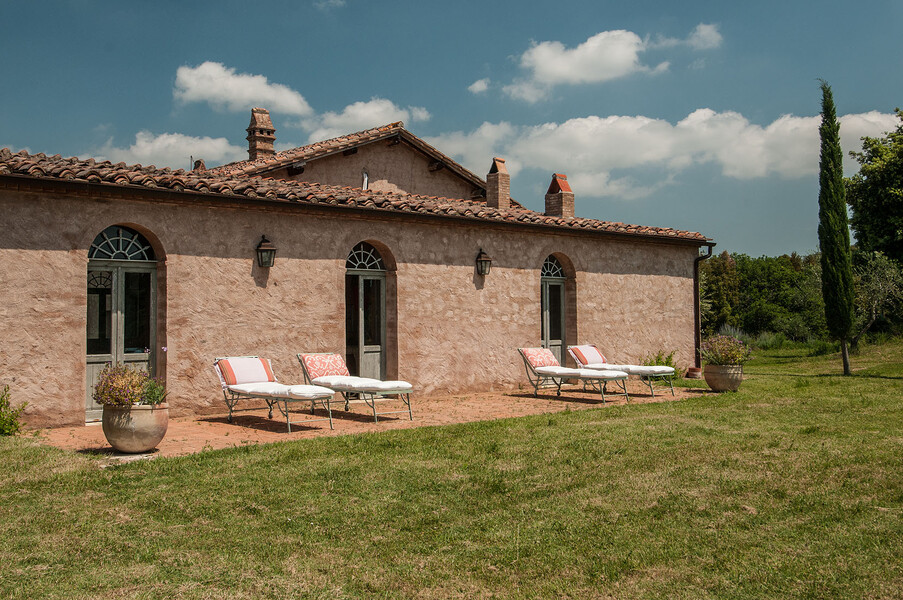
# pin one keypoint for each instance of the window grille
(120, 243)
(552, 268)
(365, 257)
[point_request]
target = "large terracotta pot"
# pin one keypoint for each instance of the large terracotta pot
(724, 378)
(137, 428)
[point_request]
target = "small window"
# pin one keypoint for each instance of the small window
(366, 183)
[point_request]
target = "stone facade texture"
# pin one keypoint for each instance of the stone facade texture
(389, 167)
(449, 329)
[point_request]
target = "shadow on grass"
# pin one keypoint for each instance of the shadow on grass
(277, 423)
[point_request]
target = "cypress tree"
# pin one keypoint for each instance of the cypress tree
(834, 230)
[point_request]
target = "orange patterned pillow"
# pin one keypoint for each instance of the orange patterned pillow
(324, 365)
(540, 357)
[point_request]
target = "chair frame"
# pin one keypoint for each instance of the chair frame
(647, 379)
(599, 384)
(370, 398)
(232, 398)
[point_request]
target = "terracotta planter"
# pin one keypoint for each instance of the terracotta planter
(724, 378)
(135, 429)
(693, 373)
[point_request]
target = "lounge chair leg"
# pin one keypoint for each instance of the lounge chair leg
(671, 383)
(649, 383)
(288, 418)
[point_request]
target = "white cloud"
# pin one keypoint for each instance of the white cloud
(476, 149)
(479, 86)
(360, 116)
(632, 156)
(223, 88)
(172, 150)
(603, 57)
(705, 37)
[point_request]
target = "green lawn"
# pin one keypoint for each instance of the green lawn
(792, 487)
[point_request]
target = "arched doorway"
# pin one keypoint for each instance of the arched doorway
(122, 306)
(365, 312)
(553, 279)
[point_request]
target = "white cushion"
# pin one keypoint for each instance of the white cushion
(343, 382)
(557, 371)
(650, 370)
(601, 374)
(272, 389)
(309, 392)
(385, 387)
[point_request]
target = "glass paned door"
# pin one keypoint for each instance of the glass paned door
(365, 324)
(120, 321)
(553, 316)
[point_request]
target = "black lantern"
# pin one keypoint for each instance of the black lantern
(484, 263)
(266, 252)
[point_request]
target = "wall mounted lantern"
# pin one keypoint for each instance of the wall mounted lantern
(484, 263)
(266, 252)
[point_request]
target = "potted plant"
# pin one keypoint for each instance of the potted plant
(724, 356)
(135, 414)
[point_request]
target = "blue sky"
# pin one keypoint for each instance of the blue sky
(698, 115)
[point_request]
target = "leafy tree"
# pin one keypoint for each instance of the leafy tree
(879, 291)
(875, 194)
(720, 292)
(782, 295)
(834, 231)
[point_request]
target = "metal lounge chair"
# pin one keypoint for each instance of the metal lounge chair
(329, 370)
(589, 357)
(544, 370)
(246, 377)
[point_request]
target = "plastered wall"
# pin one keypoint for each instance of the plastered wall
(453, 331)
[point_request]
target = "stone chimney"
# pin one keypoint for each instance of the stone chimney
(559, 198)
(498, 185)
(261, 134)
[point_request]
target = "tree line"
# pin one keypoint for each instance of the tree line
(863, 285)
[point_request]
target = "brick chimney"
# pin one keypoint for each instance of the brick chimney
(261, 134)
(559, 198)
(498, 185)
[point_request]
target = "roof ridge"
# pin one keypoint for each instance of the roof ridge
(105, 172)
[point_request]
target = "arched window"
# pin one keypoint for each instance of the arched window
(365, 257)
(120, 243)
(552, 268)
(552, 302)
(121, 317)
(365, 312)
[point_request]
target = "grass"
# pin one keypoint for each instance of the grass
(792, 487)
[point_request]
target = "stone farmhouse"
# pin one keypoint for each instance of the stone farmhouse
(376, 237)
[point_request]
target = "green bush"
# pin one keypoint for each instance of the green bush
(667, 360)
(9, 417)
(822, 347)
(770, 341)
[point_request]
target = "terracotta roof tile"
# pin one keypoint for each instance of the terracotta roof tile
(40, 166)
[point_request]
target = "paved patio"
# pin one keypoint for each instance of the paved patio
(187, 435)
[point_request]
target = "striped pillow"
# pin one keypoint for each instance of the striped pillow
(587, 354)
(245, 369)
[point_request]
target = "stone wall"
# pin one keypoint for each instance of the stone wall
(390, 168)
(454, 331)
